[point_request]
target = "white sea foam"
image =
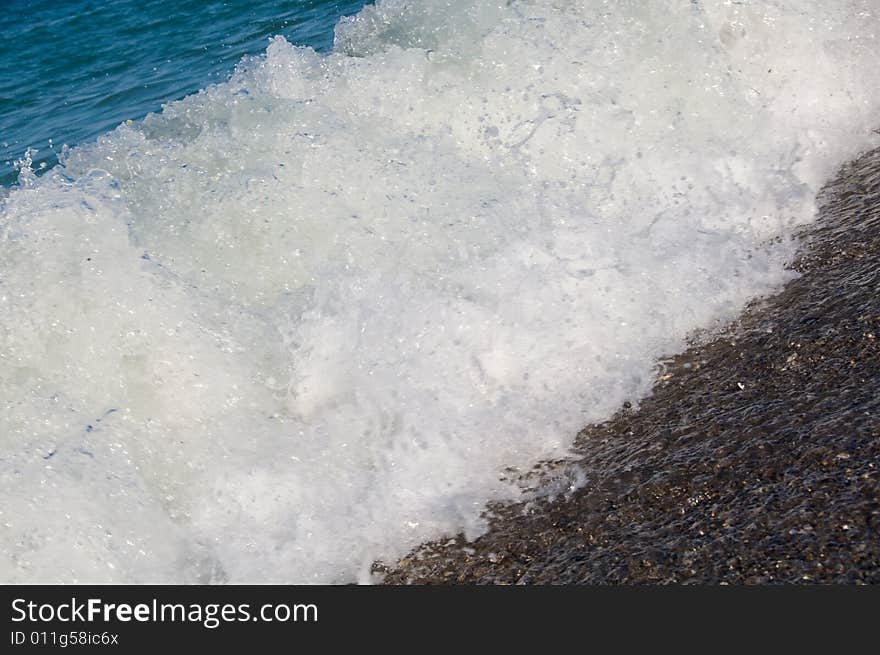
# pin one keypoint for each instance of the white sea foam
(302, 320)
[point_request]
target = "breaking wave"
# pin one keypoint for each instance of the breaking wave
(305, 319)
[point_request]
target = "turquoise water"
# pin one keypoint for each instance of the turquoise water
(72, 70)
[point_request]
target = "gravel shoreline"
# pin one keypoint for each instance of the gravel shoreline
(755, 460)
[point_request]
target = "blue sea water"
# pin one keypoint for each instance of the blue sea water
(73, 69)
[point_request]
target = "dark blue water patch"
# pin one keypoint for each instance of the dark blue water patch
(72, 70)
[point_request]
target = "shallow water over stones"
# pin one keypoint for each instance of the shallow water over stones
(755, 460)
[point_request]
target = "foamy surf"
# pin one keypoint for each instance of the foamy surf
(304, 320)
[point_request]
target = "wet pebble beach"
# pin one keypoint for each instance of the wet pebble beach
(755, 460)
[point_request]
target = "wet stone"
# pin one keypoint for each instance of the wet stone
(756, 460)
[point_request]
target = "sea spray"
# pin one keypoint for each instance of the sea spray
(305, 319)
